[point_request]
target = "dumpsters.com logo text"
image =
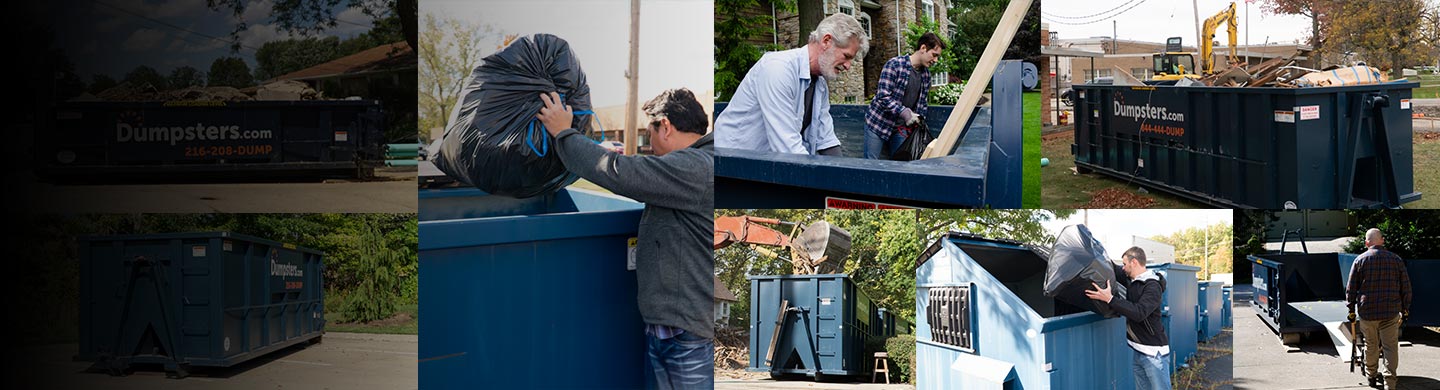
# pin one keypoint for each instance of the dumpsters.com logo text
(125, 132)
(285, 270)
(1147, 112)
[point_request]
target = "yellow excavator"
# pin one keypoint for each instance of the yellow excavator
(1175, 64)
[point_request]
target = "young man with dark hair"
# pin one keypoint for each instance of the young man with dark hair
(673, 260)
(901, 97)
(1144, 331)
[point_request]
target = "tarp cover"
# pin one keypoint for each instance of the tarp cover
(1076, 260)
(495, 143)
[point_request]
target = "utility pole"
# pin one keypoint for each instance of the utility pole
(631, 103)
(1194, 4)
(1114, 37)
(1247, 33)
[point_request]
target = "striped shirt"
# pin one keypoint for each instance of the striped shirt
(1379, 285)
(884, 114)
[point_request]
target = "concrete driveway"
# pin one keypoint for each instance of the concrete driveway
(342, 361)
(1262, 362)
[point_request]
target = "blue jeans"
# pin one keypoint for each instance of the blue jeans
(1151, 372)
(873, 145)
(685, 361)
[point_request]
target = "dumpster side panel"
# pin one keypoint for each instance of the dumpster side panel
(1228, 316)
(155, 137)
(1211, 312)
(1228, 146)
(498, 302)
(1090, 356)
(204, 299)
(1180, 310)
(826, 334)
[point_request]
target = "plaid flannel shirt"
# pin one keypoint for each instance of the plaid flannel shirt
(884, 112)
(1379, 285)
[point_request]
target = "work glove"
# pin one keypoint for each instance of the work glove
(909, 116)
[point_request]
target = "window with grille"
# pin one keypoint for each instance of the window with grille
(949, 316)
(939, 78)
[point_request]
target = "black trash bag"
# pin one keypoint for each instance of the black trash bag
(495, 142)
(913, 147)
(1076, 260)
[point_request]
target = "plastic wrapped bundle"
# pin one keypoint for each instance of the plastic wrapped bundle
(495, 143)
(1076, 260)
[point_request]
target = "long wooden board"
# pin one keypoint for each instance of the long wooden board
(979, 79)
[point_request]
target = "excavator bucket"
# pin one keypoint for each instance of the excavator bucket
(826, 245)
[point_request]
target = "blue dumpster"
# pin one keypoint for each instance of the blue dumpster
(1211, 311)
(812, 325)
(1180, 310)
(1227, 319)
(983, 170)
(1341, 147)
(1424, 309)
(514, 291)
(195, 299)
(1297, 293)
(983, 322)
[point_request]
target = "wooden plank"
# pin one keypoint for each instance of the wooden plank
(780, 322)
(979, 79)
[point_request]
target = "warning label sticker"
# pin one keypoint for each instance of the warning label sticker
(1284, 116)
(851, 204)
(1404, 104)
(1308, 112)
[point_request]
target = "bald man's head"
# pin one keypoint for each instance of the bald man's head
(1374, 238)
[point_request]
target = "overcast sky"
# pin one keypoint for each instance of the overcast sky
(1156, 20)
(676, 39)
(114, 36)
(1114, 226)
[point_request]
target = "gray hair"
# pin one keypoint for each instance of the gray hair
(842, 28)
(1372, 235)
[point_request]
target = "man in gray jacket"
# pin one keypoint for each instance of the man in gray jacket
(673, 262)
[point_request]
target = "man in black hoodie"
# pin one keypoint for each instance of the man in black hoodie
(1143, 329)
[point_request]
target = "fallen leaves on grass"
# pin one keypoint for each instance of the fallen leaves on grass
(1116, 198)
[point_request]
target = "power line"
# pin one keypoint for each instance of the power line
(1132, 6)
(168, 24)
(1088, 16)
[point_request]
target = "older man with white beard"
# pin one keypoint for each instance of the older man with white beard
(783, 104)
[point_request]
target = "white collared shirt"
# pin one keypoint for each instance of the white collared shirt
(768, 107)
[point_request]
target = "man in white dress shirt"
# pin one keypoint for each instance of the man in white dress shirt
(783, 103)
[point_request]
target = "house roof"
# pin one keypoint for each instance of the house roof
(723, 293)
(383, 57)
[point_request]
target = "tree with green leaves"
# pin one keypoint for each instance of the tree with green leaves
(374, 297)
(1412, 234)
(975, 22)
(143, 75)
(185, 77)
(308, 17)
(1386, 34)
(230, 72)
(450, 48)
(1020, 225)
(100, 83)
(736, 25)
(1207, 247)
(277, 58)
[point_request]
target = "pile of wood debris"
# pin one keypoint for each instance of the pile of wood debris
(278, 90)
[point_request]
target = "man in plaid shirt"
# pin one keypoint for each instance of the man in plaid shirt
(900, 98)
(1380, 291)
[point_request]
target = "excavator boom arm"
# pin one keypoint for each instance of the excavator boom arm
(1207, 43)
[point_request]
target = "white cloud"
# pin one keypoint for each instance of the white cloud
(257, 12)
(143, 39)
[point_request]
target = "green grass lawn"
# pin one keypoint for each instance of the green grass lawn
(1427, 92)
(1030, 174)
(406, 321)
(1427, 182)
(1064, 190)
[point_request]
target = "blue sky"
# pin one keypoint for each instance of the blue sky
(100, 39)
